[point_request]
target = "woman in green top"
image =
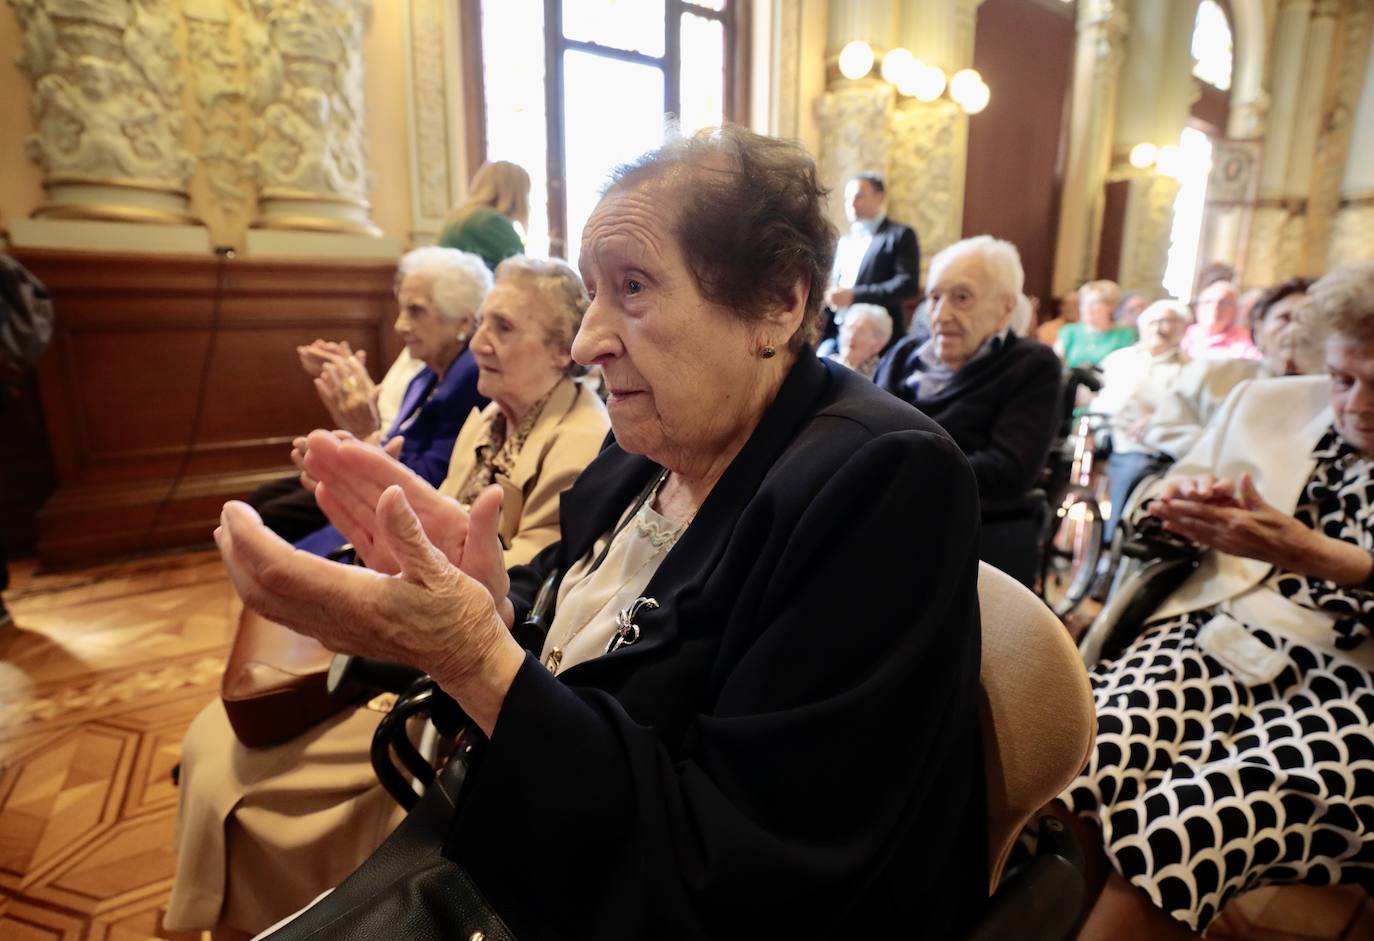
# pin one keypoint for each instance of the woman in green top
(1087, 342)
(484, 223)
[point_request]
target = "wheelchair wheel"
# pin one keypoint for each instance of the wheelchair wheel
(1072, 551)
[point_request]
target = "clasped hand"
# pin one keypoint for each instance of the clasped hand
(1233, 518)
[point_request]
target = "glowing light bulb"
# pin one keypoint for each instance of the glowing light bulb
(976, 98)
(899, 67)
(856, 60)
(963, 84)
(1144, 155)
(927, 82)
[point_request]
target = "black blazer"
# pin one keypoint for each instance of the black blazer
(1002, 409)
(889, 274)
(792, 747)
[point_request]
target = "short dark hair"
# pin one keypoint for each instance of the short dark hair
(751, 219)
(1272, 296)
(874, 179)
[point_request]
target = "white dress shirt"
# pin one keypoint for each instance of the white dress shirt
(851, 249)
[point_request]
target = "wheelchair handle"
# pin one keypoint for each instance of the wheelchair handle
(365, 673)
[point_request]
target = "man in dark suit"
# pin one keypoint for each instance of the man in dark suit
(878, 261)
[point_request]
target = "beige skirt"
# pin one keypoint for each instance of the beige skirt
(263, 831)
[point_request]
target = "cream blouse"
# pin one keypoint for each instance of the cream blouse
(589, 602)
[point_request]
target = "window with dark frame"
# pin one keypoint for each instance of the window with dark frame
(594, 93)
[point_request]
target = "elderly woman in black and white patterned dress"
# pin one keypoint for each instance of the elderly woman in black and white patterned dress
(1236, 735)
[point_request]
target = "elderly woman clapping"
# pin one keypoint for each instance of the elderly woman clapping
(653, 768)
(1234, 738)
(277, 826)
(438, 291)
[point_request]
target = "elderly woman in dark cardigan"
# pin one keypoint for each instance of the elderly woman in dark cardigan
(763, 755)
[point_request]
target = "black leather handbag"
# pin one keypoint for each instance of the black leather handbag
(408, 888)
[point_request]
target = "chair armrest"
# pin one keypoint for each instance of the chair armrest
(1040, 900)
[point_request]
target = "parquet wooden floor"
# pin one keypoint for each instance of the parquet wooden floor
(99, 680)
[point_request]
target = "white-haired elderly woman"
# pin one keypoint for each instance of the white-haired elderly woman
(1135, 381)
(438, 291)
(1235, 743)
(262, 831)
(863, 334)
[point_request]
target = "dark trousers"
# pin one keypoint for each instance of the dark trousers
(288, 509)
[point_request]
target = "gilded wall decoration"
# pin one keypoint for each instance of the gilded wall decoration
(1352, 235)
(106, 90)
(1148, 228)
(434, 185)
(929, 153)
(305, 71)
(787, 122)
(220, 86)
(854, 137)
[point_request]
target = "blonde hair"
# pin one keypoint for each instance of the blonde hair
(1108, 291)
(501, 186)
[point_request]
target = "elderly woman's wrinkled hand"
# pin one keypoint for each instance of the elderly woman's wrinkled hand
(430, 614)
(349, 394)
(1216, 513)
(315, 355)
(351, 476)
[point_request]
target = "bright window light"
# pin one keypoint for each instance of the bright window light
(1194, 163)
(1212, 45)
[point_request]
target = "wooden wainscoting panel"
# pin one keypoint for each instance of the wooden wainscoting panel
(172, 384)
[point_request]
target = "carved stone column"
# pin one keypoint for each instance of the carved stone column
(1352, 237)
(305, 67)
(1097, 65)
(1340, 161)
(929, 157)
(1272, 239)
(107, 104)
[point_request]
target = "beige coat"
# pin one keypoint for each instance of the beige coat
(1196, 396)
(564, 440)
(261, 832)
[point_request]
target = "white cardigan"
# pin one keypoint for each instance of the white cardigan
(1269, 428)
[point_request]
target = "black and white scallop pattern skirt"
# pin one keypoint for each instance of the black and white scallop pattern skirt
(1206, 788)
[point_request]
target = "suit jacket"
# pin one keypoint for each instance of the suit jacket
(1268, 428)
(567, 435)
(773, 757)
(1195, 397)
(889, 274)
(1001, 408)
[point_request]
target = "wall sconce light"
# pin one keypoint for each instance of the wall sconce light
(1144, 155)
(899, 67)
(856, 60)
(969, 91)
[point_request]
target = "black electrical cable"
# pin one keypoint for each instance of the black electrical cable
(222, 256)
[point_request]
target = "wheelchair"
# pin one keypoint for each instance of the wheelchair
(1073, 544)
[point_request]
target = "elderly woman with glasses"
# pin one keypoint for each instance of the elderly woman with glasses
(753, 753)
